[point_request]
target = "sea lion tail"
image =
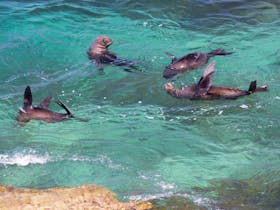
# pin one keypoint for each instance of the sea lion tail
(218, 52)
(253, 87)
(65, 107)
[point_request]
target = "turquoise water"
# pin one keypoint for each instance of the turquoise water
(140, 142)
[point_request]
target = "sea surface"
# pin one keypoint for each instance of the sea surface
(140, 142)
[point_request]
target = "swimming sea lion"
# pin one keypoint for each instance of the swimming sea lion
(99, 53)
(205, 90)
(99, 50)
(189, 62)
(29, 112)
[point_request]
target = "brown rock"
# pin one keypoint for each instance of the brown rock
(87, 196)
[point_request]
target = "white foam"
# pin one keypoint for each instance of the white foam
(101, 159)
(166, 186)
(106, 160)
(150, 196)
(149, 117)
(244, 106)
(201, 201)
(24, 158)
(122, 115)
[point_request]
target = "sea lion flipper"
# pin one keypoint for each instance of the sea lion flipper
(99, 67)
(46, 102)
(253, 86)
(69, 112)
(27, 102)
(109, 58)
(218, 52)
(205, 81)
(173, 57)
(64, 107)
(209, 70)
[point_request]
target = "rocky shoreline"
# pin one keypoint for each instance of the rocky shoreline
(253, 193)
(86, 196)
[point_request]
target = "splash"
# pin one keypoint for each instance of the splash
(24, 158)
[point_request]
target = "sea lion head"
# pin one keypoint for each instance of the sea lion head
(168, 86)
(169, 72)
(103, 41)
(23, 116)
(99, 46)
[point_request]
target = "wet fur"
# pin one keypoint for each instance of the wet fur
(29, 112)
(204, 89)
(99, 51)
(189, 62)
(100, 54)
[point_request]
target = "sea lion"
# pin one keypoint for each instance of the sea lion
(189, 62)
(29, 112)
(99, 53)
(205, 90)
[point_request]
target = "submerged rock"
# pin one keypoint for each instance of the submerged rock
(176, 203)
(87, 196)
(259, 192)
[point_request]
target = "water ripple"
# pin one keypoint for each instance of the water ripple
(136, 132)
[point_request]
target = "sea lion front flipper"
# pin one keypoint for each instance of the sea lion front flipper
(108, 58)
(173, 57)
(45, 103)
(205, 81)
(99, 67)
(27, 101)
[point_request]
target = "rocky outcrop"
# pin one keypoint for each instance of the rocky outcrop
(87, 196)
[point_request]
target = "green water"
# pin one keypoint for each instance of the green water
(139, 141)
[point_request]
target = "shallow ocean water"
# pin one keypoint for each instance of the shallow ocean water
(140, 142)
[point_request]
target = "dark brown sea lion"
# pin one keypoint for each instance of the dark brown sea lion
(205, 90)
(189, 62)
(29, 112)
(99, 53)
